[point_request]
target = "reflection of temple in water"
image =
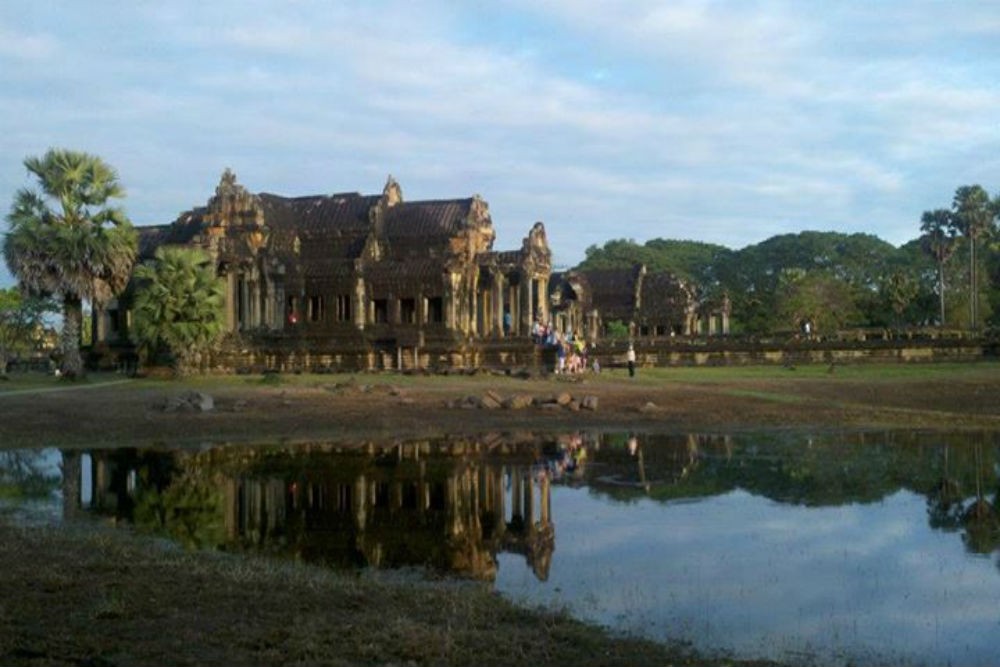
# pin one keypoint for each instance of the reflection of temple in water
(453, 508)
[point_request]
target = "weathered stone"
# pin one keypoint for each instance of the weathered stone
(564, 398)
(493, 395)
(589, 402)
(189, 402)
(550, 406)
(518, 402)
(200, 401)
(649, 407)
(489, 402)
(469, 402)
(573, 406)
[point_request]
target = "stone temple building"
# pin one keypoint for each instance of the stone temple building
(652, 304)
(356, 281)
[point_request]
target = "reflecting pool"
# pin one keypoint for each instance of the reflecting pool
(830, 548)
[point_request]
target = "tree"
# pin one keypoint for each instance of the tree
(938, 242)
(974, 213)
(179, 305)
(22, 324)
(65, 240)
(818, 297)
(899, 290)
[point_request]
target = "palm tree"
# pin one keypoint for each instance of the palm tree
(179, 304)
(900, 290)
(938, 241)
(66, 241)
(974, 215)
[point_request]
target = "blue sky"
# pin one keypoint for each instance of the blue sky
(723, 122)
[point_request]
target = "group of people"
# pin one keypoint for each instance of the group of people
(572, 351)
(571, 356)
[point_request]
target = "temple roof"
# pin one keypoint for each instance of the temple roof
(613, 291)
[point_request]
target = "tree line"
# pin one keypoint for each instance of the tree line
(948, 276)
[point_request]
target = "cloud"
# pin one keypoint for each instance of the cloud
(27, 47)
(719, 121)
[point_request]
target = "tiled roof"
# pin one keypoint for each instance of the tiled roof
(613, 291)
(426, 219)
(664, 296)
(180, 232)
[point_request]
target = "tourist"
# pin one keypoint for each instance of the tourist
(507, 321)
(561, 357)
(630, 358)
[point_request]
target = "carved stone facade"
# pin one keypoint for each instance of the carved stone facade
(650, 303)
(351, 274)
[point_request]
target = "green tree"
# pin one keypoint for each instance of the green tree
(179, 305)
(938, 241)
(22, 324)
(757, 277)
(974, 213)
(900, 290)
(65, 240)
(822, 299)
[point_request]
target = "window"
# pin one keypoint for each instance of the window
(381, 310)
(408, 311)
(435, 309)
(344, 308)
(314, 309)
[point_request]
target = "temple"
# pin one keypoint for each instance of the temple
(355, 282)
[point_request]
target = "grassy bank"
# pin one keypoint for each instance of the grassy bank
(102, 596)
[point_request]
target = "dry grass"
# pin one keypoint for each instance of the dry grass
(102, 596)
(357, 408)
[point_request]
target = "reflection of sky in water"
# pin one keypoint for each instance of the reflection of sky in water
(748, 575)
(37, 511)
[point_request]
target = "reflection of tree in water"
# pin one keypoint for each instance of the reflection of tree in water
(944, 501)
(23, 475)
(982, 525)
(812, 471)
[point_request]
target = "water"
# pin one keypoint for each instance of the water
(873, 548)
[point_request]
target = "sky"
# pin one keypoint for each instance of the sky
(722, 122)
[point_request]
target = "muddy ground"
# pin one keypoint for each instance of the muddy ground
(110, 411)
(99, 595)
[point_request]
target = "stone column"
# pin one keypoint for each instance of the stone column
(474, 312)
(543, 299)
(498, 304)
(231, 301)
(527, 305)
(255, 300)
(358, 305)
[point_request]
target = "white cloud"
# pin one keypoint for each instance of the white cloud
(718, 121)
(22, 46)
